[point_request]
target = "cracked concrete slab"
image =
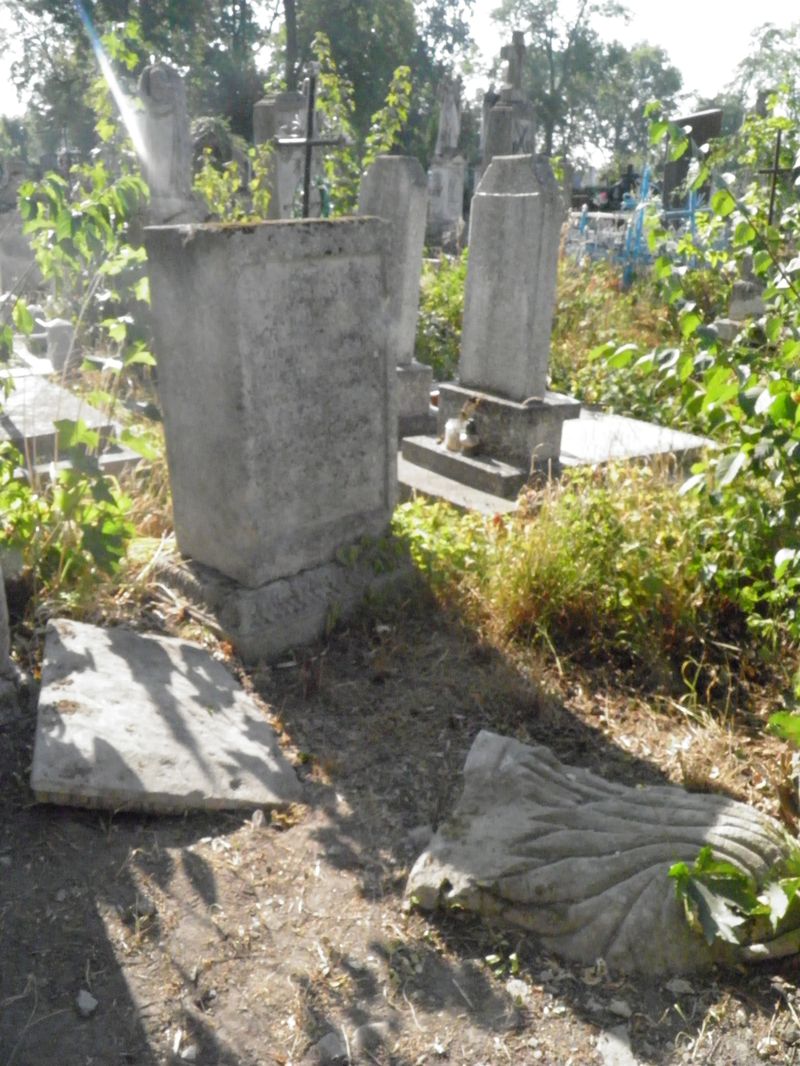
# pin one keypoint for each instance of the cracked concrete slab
(144, 722)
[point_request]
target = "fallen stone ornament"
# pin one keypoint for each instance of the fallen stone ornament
(584, 863)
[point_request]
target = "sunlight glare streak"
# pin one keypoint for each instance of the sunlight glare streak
(125, 107)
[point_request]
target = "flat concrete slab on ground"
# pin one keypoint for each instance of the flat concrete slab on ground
(143, 722)
(599, 437)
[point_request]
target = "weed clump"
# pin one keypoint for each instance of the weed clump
(603, 566)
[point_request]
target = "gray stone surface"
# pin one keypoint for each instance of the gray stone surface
(414, 383)
(263, 623)
(135, 722)
(282, 115)
(31, 411)
(727, 329)
(164, 144)
(417, 481)
(509, 298)
(445, 193)
(597, 437)
(483, 473)
(394, 189)
(583, 862)
(29, 418)
(278, 395)
(747, 300)
(526, 434)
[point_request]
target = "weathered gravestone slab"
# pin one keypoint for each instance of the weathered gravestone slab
(30, 421)
(583, 862)
(153, 723)
(165, 144)
(279, 406)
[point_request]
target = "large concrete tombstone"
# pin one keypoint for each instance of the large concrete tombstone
(277, 391)
(515, 227)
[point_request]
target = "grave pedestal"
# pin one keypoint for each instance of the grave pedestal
(279, 401)
(508, 310)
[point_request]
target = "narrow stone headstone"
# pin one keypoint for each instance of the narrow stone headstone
(447, 170)
(509, 299)
(166, 144)
(394, 189)
(144, 722)
(501, 406)
(583, 862)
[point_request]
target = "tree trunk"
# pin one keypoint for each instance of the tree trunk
(290, 14)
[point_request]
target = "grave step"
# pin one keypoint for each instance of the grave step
(416, 481)
(477, 472)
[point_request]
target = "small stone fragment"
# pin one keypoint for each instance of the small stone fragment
(86, 1004)
(370, 1036)
(620, 1008)
(189, 1053)
(329, 1050)
(614, 1048)
(769, 1047)
(679, 987)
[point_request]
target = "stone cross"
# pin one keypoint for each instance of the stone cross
(514, 56)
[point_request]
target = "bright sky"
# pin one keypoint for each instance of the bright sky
(704, 44)
(705, 41)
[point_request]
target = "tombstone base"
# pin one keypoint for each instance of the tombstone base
(265, 622)
(526, 435)
(414, 381)
(480, 472)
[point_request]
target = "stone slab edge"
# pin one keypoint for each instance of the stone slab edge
(485, 474)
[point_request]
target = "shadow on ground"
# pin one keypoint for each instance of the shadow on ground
(232, 942)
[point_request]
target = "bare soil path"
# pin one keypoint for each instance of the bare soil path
(284, 940)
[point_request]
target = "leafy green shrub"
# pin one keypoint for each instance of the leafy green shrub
(441, 311)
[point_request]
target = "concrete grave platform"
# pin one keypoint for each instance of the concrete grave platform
(598, 437)
(593, 438)
(583, 862)
(142, 722)
(28, 421)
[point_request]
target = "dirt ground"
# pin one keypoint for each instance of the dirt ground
(283, 939)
